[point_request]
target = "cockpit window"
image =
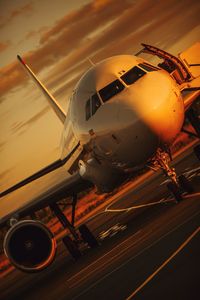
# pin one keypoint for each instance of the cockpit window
(87, 110)
(95, 103)
(91, 106)
(148, 67)
(111, 90)
(132, 75)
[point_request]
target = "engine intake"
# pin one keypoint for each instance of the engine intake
(30, 246)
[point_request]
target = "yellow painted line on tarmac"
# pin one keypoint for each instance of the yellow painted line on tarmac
(181, 247)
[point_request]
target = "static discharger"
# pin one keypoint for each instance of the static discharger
(90, 61)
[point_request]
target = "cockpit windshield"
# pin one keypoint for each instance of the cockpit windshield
(95, 103)
(91, 106)
(133, 75)
(115, 87)
(111, 90)
(87, 110)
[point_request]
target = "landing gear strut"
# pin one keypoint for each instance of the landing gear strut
(177, 184)
(82, 235)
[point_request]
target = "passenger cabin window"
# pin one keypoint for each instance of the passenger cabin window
(132, 75)
(87, 110)
(111, 90)
(91, 106)
(148, 67)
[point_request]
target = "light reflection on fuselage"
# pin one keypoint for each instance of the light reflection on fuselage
(134, 114)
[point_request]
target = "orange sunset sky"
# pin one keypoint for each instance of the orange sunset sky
(56, 38)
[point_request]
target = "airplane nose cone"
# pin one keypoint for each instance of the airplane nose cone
(155, 100)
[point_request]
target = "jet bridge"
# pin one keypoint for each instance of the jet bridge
(172, 64)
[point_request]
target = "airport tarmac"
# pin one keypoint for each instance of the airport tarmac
(149, 249)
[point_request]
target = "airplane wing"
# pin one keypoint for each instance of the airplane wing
(74, 150)
(55, 165)
(52, 101)
(71, 185)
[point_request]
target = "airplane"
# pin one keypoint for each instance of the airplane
(124, 114)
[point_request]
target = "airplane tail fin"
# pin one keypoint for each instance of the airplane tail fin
(52, 101)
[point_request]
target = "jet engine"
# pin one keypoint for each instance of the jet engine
(30, 246)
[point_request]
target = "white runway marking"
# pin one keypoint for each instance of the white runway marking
(113, 230)
(138, 206)
(190, 173)
(180, 248)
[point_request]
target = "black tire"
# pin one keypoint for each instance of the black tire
(72, 247)
(197, 151)
(175, 191)
(87, 236)
(185, 184)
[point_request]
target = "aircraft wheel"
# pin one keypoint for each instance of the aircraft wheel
(185, 184)
(175, 191)
(87, 236)
(72, 247)
(197, 151)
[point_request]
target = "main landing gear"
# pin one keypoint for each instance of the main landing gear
(76, 237)
(177, 184)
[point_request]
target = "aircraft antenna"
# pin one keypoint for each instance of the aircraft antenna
(91, 62)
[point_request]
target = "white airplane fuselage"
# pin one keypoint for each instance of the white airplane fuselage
(127, 127)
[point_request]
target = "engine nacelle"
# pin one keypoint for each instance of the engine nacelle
(30, 246)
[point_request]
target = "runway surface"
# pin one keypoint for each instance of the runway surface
(149, 249)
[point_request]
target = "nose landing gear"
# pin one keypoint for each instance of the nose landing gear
(177, 184)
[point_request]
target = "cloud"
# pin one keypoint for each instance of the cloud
(20, 127)
(2, 145)
(78, 35)
(25, 9)
(6, 173)
(4, 46)
(67, 41)
(134, 26)
(34, 33)
(10, 77)
(91, 10)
